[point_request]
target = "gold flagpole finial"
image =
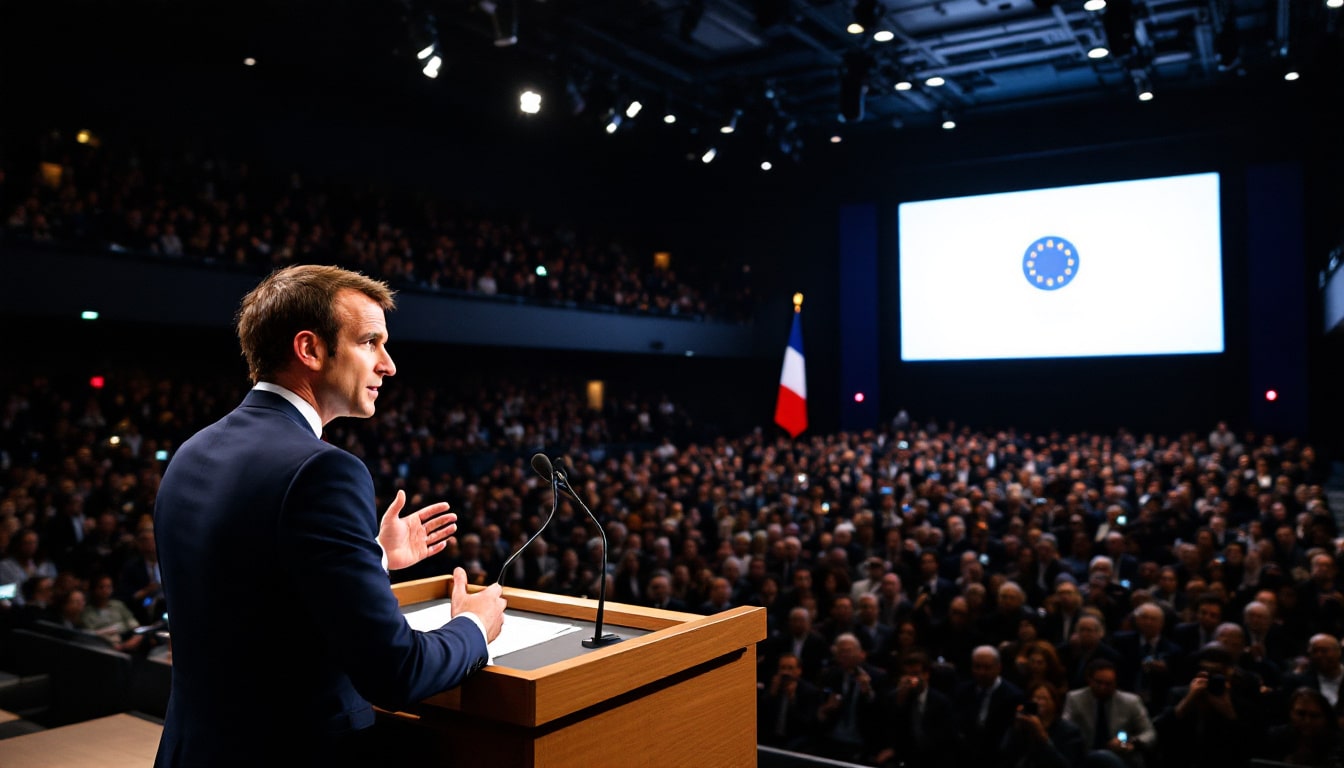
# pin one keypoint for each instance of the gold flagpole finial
(797, 302)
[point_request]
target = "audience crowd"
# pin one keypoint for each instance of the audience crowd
(932, 592)
(230, 214)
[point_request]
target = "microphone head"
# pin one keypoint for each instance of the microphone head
(542, 465)
(562, 466)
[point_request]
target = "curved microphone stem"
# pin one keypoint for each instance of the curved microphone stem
(555, 504)
(598, 639)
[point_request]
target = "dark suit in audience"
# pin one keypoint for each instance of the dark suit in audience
(919, 724)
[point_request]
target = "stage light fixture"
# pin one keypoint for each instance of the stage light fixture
(731, 125)
(424, 38)
(1143, 87)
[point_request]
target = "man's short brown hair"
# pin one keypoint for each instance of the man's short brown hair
(293, 299)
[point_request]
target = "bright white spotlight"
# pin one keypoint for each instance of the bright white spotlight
(614, 122)
(529, 102)
(1100, 52)
(904, 85)
(669, 118)
(249, 62)
(884, 36)
(633, 109)
(1094, 5)
(431, 69)
(935, 81)
(766, 165)
(854, 28)
(425, 52)
(709, 155)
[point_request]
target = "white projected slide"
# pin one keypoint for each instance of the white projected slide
(1120, 268)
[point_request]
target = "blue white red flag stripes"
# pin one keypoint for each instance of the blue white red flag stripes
(791, 408)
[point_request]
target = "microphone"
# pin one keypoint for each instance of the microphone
(598, 639)
(542, 466)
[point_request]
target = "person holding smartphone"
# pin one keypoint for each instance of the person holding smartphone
(1102, 712)
(1040, 737)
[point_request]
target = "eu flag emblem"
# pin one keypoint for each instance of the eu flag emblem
(1050, 263)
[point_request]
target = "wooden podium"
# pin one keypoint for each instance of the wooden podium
(678, 690)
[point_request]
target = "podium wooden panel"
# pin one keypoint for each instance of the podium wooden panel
(683, 693)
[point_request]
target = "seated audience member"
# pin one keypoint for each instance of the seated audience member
(138, 585)
(1310, 737)
(658, 593)
(918, 726)
(800, 639)
(1040, 736)
(39, 593)
(1210, 722)
(985, 705)
(1323, 673)
(1148, 660)
(25, 559)
(848, 718)
(110, 619)
(786, 709)
(1063, 608)
(1003, 623)
(1246, 669)
(1038, 662)
(1084, 647)
(878, 639)
(1265, 640)
(1115, 726)
(840, 619)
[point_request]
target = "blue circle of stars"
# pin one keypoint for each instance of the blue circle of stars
(1050, 263)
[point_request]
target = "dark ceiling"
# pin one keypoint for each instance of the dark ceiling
(788, 68)
(793, 63)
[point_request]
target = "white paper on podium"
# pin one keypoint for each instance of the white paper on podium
(517, 632)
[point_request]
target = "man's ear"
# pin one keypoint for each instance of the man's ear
(309, 350)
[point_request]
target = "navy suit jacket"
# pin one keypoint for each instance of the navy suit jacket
(284, 625)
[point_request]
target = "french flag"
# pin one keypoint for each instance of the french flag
(791, 409)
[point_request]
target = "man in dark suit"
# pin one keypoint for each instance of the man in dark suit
(786, 709)
(1193, 635)
(800, 639)
(919, 722)
(1266, 641)
(1063, 610)
(1086, 645)
(848, 718)
(1147, 659)
(658, 594)
(264, 529)
(986, 706)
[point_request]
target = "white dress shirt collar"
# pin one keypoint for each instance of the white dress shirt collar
(306, 408)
